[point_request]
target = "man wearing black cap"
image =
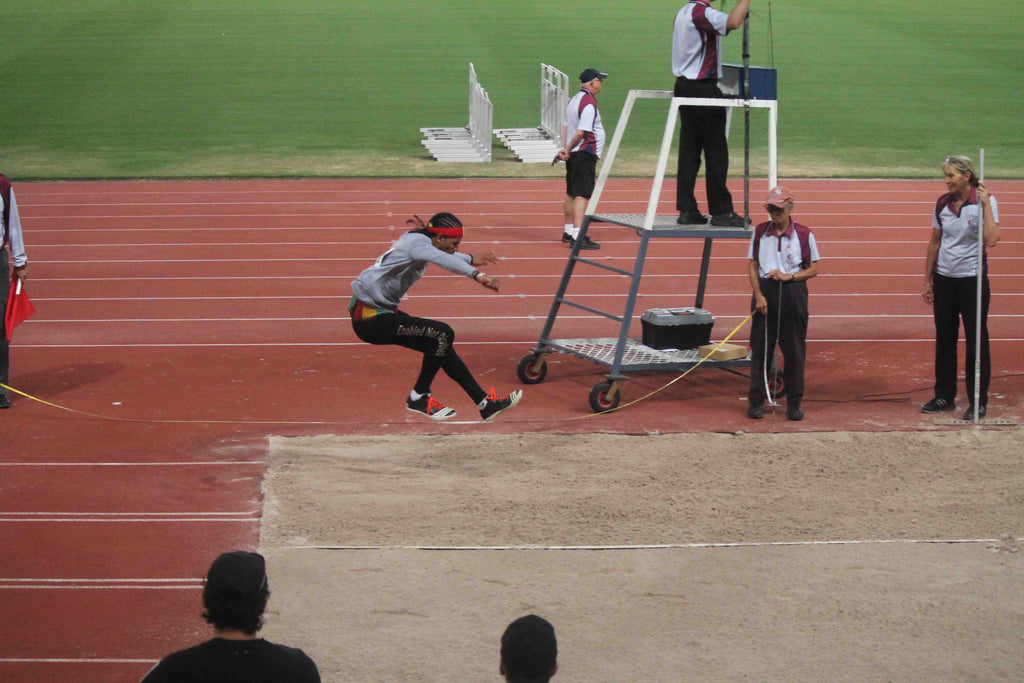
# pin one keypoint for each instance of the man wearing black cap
(235, 595)
(697, 65)
(582, 142)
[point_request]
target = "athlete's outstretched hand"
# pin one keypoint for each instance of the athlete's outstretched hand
(488, 281)
(484, 258)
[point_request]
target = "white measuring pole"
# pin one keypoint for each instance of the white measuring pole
(977, 319)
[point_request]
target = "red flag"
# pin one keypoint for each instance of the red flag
(19, 308)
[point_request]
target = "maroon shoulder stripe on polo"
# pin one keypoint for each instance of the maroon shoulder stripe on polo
(709, 46)
(589, 141)
(947, 200)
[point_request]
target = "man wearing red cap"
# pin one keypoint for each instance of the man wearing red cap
(10, 237)
(783, 256)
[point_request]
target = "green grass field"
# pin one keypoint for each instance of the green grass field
(147, 88)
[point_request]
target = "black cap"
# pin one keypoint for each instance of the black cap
(591, 74)
(238, 572)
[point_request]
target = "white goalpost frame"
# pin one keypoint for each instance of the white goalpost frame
(666, 142)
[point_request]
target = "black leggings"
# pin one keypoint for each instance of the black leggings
(956, 298)
(433, 338)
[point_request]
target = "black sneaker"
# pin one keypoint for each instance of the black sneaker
(435, 410)
(692, 218)
(729, 220)
(794, 413)
(4, 401)
(566, 238)
(496, 406)
(755, 411)
(969, 415)
(938, 405)
(587, 243)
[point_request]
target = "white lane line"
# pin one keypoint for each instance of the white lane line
(399, 229)
(929, 316)
(72, 660)
(384, 243)
(519, 295)
(530, 200)
(101, 584)
(438, 276)
(526, 343)
(561, 259)
(122, 520)
(129, 514)
(658, 546)
(134, 464)
(818, 216)
(197, 579)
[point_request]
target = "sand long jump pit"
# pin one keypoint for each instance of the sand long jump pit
(798, 557)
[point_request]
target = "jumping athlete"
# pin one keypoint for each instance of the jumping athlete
(377, 320)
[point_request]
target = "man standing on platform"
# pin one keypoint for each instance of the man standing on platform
(10, 238)
(582, 142)
(697, 65)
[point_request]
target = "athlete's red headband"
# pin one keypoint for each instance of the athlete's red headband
(447, 232)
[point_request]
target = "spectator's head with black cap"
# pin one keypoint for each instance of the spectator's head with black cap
(236, 591)
(529, 651)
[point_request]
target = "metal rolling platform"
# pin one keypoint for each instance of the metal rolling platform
(622, 354)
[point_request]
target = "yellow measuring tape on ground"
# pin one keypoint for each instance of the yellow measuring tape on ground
(325, 422)
(132, 419)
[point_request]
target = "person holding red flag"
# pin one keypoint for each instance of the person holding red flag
(11, 242)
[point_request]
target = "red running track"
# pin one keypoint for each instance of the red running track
(189, 321)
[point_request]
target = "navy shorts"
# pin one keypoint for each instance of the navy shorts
(580, 174)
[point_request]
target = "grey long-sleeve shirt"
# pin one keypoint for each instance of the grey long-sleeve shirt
(383, 284)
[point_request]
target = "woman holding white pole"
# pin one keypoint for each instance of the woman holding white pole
(951, 281)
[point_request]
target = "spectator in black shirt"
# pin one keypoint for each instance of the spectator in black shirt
(235, 596)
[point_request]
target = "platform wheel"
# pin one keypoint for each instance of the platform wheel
(532, 369)
(776, 381)
(605, 396)
(777, 386)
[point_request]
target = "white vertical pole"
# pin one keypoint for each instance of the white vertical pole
(745, 79)
(613, 149)
(659, 172)
(977, 319)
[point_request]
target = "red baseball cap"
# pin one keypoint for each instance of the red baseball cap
(779, 196)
